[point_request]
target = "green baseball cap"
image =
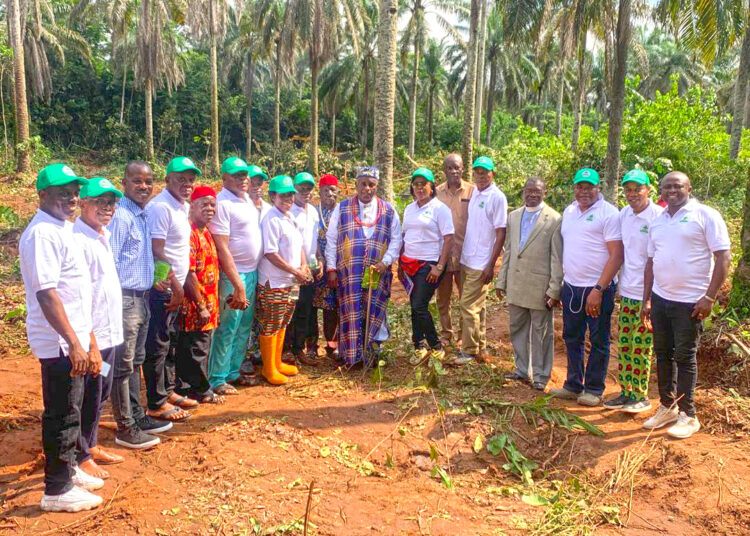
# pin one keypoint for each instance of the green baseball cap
(424, 173)
(182, 163)
(97, 186)
(303, 177)
(233, 165)
(256, 171)
(586, 175)
(281, 184)
(637, 176)
(484, 162)
(57, 175)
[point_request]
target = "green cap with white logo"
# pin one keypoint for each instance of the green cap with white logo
(256, 171)
(304, 177)
(97, 186)
(484, 162)
(281, 184)
(637, 176)
(423, 172)
(233, 165)
(182, 163)
(586, 175)
(57, 175)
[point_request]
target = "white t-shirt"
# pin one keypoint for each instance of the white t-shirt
(168, 220)
(585, 236)
(682, 247)
(50, 257)
(424, 228)
(634, 229)
(307, 222)
(239, 219)
(265, 208)
(488, 212)
(281, 236)
(106, 312)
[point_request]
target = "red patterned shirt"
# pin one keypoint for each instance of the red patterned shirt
(204, 262)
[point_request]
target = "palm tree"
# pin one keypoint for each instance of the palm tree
(385, 94)
(434, 74)
(207, 20)
(15, 34)
(470, 88)
(481, 50)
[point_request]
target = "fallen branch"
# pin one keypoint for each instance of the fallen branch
(307, 509)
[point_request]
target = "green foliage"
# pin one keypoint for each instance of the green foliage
(517, 463)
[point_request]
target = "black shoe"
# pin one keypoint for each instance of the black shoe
(539, 386)
(247, 368)
(153, 426)
(515, 376)
(135, 438)
(616, 403)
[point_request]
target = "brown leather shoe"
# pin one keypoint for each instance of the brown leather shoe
(310, 359)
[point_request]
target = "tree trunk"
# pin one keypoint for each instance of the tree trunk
(430, 112)
(122, 96)
(560, 95)
(580, 92)
(470, 87)
(214, 91)
(23, 154)
(415, 77)
(740, 90)
(277, 99)
(740, 295)
(385, 95)
(481, 48)
(2, 108)
(333, 133)
(365, 105)
(490, 102)
(248, 112)
(612, 166)
(148, 90)
(313, 117)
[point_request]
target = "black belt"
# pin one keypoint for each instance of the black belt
(134, 293)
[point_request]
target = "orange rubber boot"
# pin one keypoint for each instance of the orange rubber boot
(268, 355)
(284, 368)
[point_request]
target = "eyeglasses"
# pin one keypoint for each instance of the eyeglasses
(104, 202)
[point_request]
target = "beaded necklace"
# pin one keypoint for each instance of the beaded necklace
(377, 216)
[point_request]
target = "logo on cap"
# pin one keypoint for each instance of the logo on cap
(68, 171)
(104, 183)
(586, 173)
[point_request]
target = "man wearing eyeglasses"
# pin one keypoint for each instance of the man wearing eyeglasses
(592, 255)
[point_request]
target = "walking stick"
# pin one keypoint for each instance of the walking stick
(367, 352)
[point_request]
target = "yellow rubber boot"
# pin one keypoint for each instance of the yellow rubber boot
(268, 355)
(284, 368)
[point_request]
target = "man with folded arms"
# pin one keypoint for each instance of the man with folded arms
(239, 243)
(60, 333)
(167, 216)
(130, 240)
(688, 261)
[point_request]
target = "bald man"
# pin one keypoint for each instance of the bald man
(688, 261)
(456, 193)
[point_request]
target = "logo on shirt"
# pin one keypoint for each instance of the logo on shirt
(684, 219)
(644, 229)
(590, 217)
(481, 204)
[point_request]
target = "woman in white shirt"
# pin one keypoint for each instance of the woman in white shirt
(428, 238)
(280, 272)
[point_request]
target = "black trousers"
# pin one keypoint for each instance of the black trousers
(62, 395)
(304, 324)
(676, 336)
(96, 389)
(422, 323)
(159, 365)
(191, 361)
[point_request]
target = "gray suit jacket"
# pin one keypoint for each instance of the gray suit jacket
(528, 274)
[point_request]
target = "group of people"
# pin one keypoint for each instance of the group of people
(176, 286)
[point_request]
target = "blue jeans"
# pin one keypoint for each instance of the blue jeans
(575, 321)
(422, 323)
(229, 342)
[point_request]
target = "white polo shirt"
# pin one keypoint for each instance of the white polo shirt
(281, 236)
(239, 219)
(307, 219)
(682, 247)
(106, 312)
(50, 257)
(168, 220)
(488, 212)
(585, 236)
(634, 228)
(424, 228)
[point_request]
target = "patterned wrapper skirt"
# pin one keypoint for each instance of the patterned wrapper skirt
(274, 307)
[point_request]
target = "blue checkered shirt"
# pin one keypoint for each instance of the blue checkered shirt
(131, 246)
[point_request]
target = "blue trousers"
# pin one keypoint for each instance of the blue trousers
(588, 374)
(229, 342)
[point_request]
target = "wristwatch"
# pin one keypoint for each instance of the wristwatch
(440, 267)
(598, 287)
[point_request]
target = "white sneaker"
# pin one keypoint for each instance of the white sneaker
(86, 481)
(663, 417)
(75, 500)
(684, 427)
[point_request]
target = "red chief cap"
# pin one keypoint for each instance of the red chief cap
(202, 191)
(328, 180)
